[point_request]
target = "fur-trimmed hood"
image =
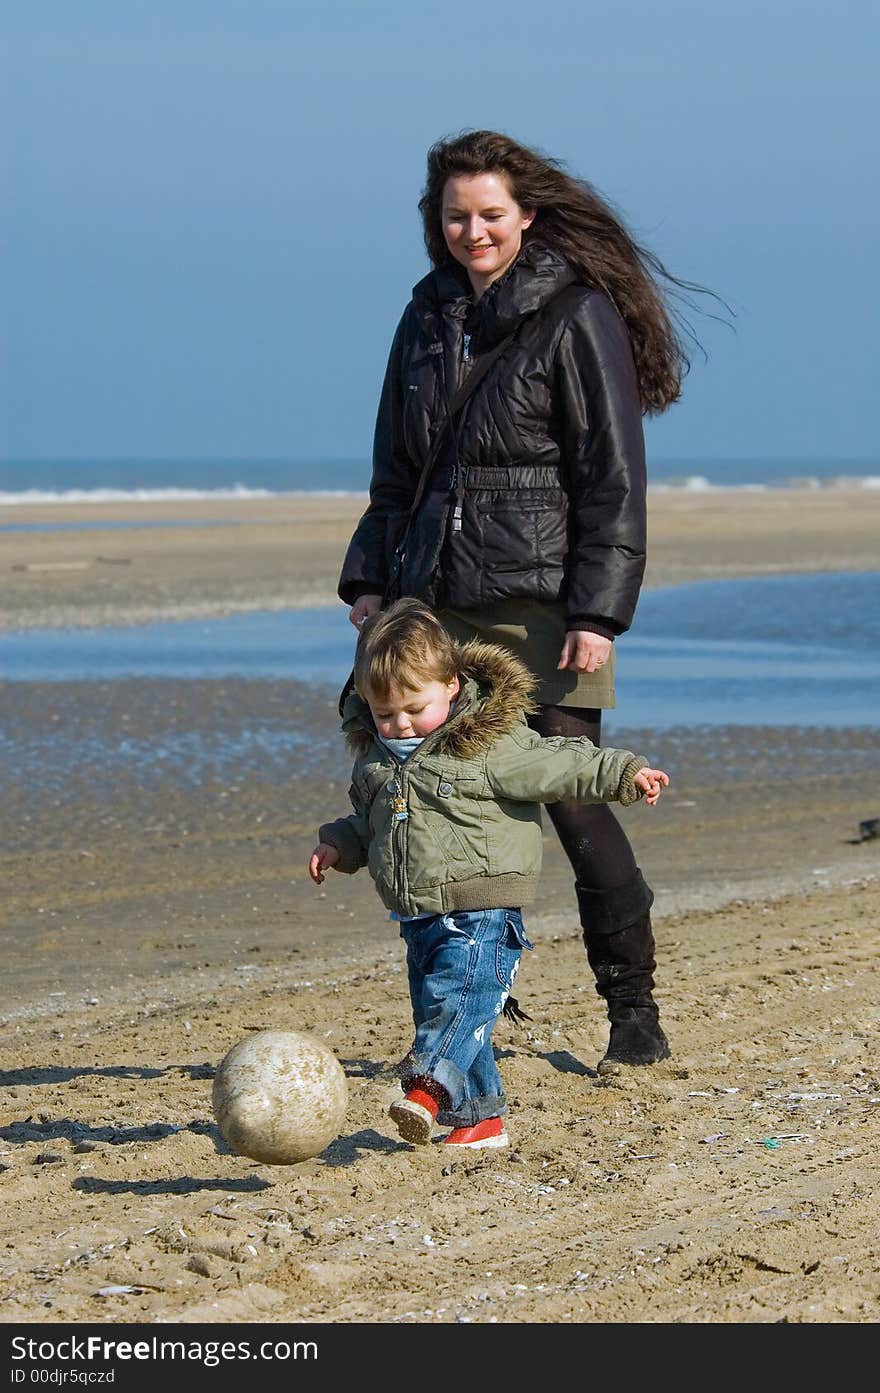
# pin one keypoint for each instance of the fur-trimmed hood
(496, 695)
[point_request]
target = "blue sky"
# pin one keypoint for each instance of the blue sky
(210, 223)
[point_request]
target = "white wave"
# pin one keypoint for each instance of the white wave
(685, 483)
(697, 483)
(236, 492)
(843, 481)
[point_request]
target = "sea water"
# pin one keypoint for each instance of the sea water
(773, 651)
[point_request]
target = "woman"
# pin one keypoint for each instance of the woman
(521, 506)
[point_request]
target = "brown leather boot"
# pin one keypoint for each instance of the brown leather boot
(620, 948)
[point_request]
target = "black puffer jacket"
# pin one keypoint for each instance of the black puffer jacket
(550, 469)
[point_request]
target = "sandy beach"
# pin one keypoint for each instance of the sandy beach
(244, 555)
(149, 923)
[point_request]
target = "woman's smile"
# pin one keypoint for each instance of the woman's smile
(483, 225)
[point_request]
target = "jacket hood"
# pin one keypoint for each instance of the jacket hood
(496, 693)
(537, 275)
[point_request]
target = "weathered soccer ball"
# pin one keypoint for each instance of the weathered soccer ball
(279, 1096)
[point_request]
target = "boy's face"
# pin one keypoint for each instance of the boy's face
(406, 711)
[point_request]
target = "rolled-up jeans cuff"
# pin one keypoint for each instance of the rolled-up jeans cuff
(447, 1074)
(469, 1110)
(472, 1110)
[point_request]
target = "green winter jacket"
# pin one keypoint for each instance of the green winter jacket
(473, 836)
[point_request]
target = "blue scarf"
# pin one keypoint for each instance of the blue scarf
(403, 748)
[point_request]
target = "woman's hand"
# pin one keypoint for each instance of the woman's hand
(322, 858)
(583, 651)
(363, 608)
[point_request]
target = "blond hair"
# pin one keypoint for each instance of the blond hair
(403, 647)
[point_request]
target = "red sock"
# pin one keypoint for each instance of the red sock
(417, 1095)
(421, 1088)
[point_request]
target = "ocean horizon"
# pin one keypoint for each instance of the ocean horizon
(145, 481)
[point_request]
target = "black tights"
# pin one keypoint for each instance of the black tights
(592, 838)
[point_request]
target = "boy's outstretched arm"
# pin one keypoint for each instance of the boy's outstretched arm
(555, 769)
(652, 783)
(322, 858)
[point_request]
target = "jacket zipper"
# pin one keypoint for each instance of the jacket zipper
(455, 483)
(398, 835)
(399, 820)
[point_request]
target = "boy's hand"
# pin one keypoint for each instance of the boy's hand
(322, 858)
(652, 783)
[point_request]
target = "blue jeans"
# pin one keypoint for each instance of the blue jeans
(462, 968)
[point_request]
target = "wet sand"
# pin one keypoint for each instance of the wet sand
(150, 921)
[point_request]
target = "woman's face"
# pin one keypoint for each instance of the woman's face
(483, 225)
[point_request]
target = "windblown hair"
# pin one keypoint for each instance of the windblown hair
(404, 645)
(585, 229)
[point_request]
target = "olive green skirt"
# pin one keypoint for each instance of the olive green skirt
(535, 632)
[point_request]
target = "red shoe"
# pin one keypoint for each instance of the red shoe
(489, 1132)
(414, 1115)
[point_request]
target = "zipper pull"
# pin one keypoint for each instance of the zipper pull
(456, 518)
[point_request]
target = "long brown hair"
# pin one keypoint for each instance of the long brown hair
(584, 228)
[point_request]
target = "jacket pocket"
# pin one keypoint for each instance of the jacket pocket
(451, 837)
(438, 854)
(524, 539)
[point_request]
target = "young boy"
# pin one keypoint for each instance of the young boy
(446, 789)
